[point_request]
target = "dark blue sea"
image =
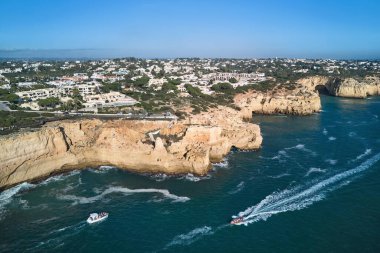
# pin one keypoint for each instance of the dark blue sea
(313, 187)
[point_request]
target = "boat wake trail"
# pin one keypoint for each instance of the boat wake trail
(86, 200)
(193, 235)
(301, 197)
(58, 237)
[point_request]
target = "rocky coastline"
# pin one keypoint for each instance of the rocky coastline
(187, 146)
(298, 101)
(344, 87)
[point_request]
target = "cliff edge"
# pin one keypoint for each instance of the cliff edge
(298, 100)
(187, 146)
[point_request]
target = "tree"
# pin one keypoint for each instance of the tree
(222, 87)
(233, 80)
(193, 91)
(141, 82)
(175, 81)
(76, 94)
(169, 86)
(49, 102)
(13, 98)
(160, 74)
(71, 105)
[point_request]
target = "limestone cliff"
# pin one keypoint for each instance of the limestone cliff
(298, 101)
(350, 87)
(314, 83)
(143, 146)
(344, 87)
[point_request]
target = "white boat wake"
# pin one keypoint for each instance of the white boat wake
(292, 199)
(300, 197)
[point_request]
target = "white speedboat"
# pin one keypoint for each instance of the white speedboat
(237, 221)
(95, 217)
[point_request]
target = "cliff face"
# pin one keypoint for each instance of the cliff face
(347, 87)
(298, 101)
(314, 83)
(143, 146)
(350, 87)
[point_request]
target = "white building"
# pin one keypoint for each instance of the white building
(64, 91)
(111, 99)
(38, 94)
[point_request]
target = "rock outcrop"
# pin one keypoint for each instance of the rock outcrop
(143, 146)
(297, 101)
(350, 87)
(344, 87)
(314, 83)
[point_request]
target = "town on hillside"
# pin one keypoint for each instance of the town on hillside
(30, 90)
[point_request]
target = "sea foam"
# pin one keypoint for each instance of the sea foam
(302, 196)
(7, 196)
(238, 188)
(86, 200)
(314, 170)
(192, 236)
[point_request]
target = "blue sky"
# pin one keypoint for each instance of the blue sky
(191, 28)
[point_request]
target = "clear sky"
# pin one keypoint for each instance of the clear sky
(191, 28)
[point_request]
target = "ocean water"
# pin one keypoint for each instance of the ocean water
(313, 187)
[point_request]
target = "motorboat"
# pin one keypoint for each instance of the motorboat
(237, 221)
(96, 217)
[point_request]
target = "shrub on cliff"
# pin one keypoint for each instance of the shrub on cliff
(222, 87)
(193, 91)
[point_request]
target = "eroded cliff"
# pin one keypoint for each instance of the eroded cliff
(298, 101)
(344, 87)
(187, 146)
(350, 87)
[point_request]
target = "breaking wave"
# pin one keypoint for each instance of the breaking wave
(7, 196)
(59, 177)
(102, 169)
(325, 132)
(87, 200)
(190, 177)
(301, 197)
(159, 177)
(302, 148)
(222, 164)
(187, 177)
(332, 138)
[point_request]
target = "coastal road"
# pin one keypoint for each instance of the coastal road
(100, 115)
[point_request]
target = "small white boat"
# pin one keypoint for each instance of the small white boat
(95, 217)
(237, 221)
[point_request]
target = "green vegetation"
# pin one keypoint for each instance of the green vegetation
(168, 86)
(71, 105)
(222, 87)
(194, 91)
(141, 82)
(233, 80)
(51, 102)
(5, 95)
(107, 87)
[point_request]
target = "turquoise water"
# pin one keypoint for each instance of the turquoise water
(313, 187)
